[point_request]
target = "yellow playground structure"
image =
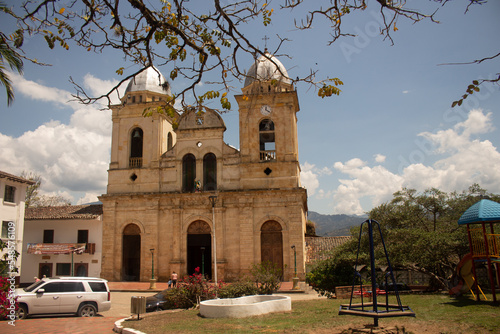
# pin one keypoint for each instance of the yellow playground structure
(484, 245)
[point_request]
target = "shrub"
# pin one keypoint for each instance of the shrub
(177, 298)
(335, 271)
(197, 288)
(189, 292)
(330, 274)
(267, 277)
(240, 288)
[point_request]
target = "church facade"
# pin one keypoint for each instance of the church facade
(180, 198)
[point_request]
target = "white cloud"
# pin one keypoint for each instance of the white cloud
(308, 178)
(97, 87)
(466, 161)
(92, 120)
(377, 183)
(89, 197)
(70, 157)
(324, 195)
(65, 194)
(349, 165)
(325, 171)
(380, 158)
(38, 91)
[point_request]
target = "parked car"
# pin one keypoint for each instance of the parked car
(84, 296)
(156, 302)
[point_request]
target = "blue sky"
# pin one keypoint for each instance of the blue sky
(391, 127)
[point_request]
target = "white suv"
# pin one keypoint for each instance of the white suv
(84, 296)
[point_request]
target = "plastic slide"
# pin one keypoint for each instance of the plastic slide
(464, 271)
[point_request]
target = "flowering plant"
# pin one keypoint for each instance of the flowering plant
(5, 300)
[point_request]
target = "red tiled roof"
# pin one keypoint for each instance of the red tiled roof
(89, 211)
(317, 248)
(4, 175)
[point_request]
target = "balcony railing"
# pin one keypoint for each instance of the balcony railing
(267, 155)
(90, 248)
(135, 162)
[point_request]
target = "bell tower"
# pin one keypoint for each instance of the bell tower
(138, 142)
(268, 127)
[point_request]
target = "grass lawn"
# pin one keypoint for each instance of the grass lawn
(434, 314)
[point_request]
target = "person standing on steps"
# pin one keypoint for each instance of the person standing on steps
(174, 279)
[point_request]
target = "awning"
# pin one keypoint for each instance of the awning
(56, 248)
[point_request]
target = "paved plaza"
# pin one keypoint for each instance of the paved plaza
(121, 294)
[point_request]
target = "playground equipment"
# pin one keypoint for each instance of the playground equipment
(484, 245)
(464, 271)
(374, 309)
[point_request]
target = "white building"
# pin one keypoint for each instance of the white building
(12, 195)
(62, 241)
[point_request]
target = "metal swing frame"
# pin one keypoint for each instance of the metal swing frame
(374, 309)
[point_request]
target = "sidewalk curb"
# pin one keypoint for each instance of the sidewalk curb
(118, 328)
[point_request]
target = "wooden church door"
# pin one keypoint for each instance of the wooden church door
(271, 243)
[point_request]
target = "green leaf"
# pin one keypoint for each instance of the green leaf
(173, 74)
(49, 41)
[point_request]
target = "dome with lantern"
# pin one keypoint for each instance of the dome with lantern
(150, 80)
(267, 68)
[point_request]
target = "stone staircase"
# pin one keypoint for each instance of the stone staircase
(287, 287)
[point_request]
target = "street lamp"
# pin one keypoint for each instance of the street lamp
(295, 279)
(152, 250)
(203, 261)
(213, 200)
(152, 281)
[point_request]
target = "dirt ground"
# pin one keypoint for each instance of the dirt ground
(399, 326)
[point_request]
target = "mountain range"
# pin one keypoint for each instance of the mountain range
(334, 225)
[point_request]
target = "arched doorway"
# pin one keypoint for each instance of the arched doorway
(131, 253)
(199, 248)
(45, 269)
(271, 243)
(81, 269)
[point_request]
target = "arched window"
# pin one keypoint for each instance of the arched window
(136, 142)
(188, 173)
(170, 141)
(209, 172)
(267, 140)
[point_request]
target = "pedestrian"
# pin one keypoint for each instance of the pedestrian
(169, 283)
(174, 279)
(37, 279)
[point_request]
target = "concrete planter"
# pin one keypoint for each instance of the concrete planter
(244, 306)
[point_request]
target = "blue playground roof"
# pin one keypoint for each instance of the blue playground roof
(483, 211)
